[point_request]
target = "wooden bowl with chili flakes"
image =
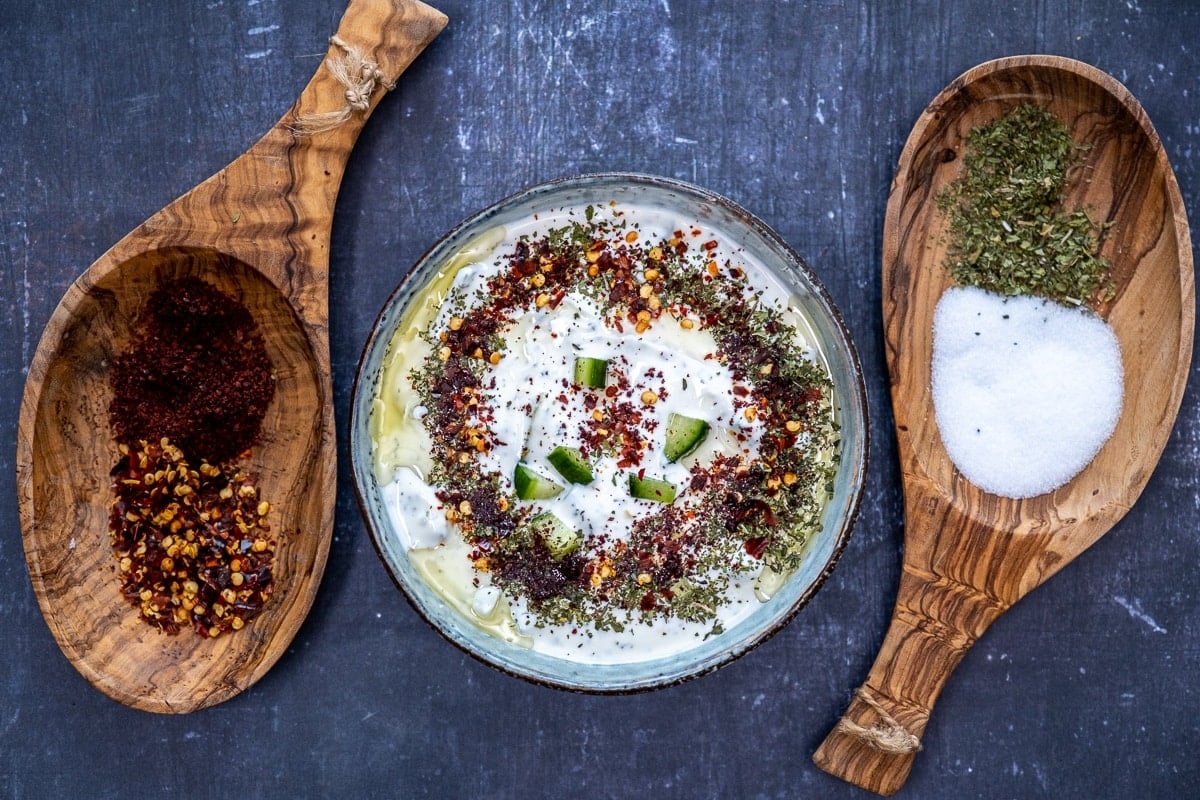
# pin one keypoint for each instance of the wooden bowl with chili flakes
(609, 434)
(172, 582)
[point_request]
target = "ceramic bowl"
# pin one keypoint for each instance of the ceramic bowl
(732, 224)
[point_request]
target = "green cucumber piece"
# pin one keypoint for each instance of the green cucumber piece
(571, 464)
(532, 485)
(655, 489)
(559, 537)
(591, 372)
(684, 434)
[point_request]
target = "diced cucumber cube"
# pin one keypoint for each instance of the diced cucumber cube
(591, 372)
(684, 434)
(532, 485)
(571, 464)
(655, 489)
(559, 537)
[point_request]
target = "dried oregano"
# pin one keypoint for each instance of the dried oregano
(1009, 232)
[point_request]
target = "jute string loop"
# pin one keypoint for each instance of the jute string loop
(359, 75)
(887, 735)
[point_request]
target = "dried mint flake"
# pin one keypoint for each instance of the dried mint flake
(1009, 231)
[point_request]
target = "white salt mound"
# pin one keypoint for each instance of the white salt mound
(1025, 391)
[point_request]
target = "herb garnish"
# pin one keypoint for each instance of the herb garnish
(1009, 233)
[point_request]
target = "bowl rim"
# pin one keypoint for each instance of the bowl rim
(858, 469)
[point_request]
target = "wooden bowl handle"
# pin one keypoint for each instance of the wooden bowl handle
(272, 206)
(385, 36)
(391, 32)
(935, 622)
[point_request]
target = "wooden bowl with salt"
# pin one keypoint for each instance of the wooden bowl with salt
(970, 554)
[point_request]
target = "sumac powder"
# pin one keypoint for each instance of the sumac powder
(197, 374)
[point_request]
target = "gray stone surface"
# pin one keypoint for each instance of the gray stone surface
(796, 111)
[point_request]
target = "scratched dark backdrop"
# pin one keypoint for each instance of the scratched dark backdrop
(797, 111)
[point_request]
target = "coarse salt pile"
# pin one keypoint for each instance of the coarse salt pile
(1025, 391)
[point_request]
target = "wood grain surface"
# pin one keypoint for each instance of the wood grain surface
(797, 111)
(969, 554)
(259, 229)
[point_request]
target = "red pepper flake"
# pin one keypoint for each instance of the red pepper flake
(756, 546)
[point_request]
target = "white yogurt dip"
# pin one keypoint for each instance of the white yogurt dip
(481, 383)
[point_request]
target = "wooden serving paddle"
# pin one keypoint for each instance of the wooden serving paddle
(969, 555)
(259, 229)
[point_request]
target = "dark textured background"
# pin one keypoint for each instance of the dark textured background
(797, 111)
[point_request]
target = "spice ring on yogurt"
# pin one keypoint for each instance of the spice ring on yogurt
(602, 426)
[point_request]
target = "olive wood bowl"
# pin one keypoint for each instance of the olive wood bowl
(259, 230)
(969, 554)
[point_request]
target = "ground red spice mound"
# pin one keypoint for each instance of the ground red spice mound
(197, 375)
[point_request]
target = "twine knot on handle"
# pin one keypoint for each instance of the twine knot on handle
(887, 735)
(360, 76)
